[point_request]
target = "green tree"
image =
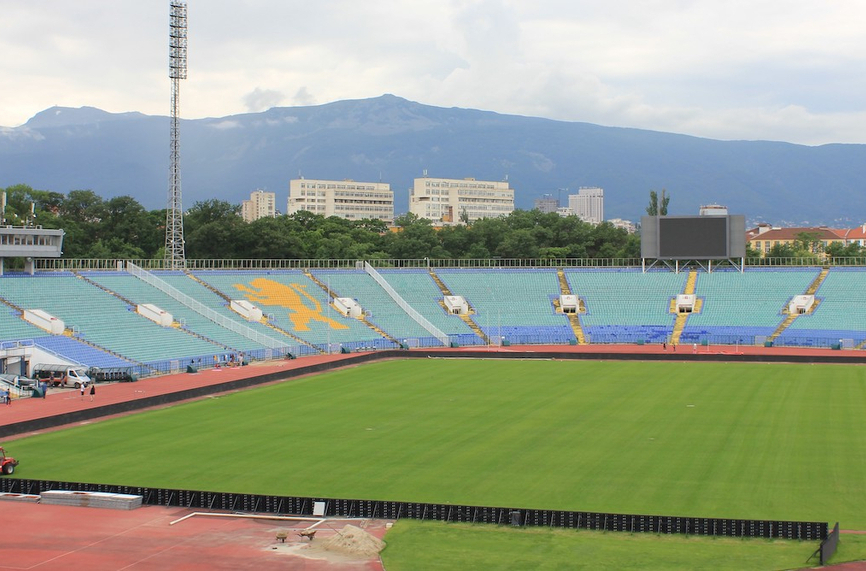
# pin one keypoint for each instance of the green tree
(126, 220)
(229, 239)
(808, 242)
(518, 244)
(457, 240)
(18, 200)
(839, 250)
(752, 253)
(489, 233)
(207, 211)
(658, 206)
(781, 250)
(83, 206)
(115, 248)
(417, 239)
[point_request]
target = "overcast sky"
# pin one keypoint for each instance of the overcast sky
(788, 70)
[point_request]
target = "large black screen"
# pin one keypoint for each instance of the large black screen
(693, 237)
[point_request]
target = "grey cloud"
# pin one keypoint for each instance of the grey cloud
(262, 99)
(303, 97)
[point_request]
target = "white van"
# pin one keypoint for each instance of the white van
(61, 375)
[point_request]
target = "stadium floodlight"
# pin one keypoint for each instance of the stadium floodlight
(174, 243)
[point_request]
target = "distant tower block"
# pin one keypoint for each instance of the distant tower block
(175, 257)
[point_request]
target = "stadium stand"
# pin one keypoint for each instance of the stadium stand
(626, 305)
(103, 319)
(13, 327)
(78, 352)
(840, 314)
(298, 305)
(743, 307)
(515, 305)
(140, 292)
(383, 311)
(421, 292)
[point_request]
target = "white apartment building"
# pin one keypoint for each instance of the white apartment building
(626, 225)
(588, 204)
(342, 198)
(451, 201)
(260, 205)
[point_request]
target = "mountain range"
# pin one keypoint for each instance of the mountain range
(394, 140)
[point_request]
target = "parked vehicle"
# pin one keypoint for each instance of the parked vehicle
(61, 375)
(122, 374)
(7, 463)
(19, 381)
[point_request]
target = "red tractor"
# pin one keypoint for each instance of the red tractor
(7, 463)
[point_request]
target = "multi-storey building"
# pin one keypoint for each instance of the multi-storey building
(546, 204)
(344, 199)
(764, 237)
(260, 205)
(713, 210)
(456, 201)
(626, 225)
(588, 204)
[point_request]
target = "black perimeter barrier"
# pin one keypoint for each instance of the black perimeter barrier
(378, 509)
(829, 545)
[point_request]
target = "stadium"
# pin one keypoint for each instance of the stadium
(731, 372)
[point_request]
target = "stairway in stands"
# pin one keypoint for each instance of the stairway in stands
(573, 318)
(682, 318)
(467, 318)
(789, 319)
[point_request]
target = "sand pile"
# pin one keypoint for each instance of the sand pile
(354, 541)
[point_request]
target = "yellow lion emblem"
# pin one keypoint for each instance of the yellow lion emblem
(271, 293)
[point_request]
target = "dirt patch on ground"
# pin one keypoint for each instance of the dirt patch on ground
(339, 547)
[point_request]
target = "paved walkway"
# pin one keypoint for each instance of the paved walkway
(61, 401)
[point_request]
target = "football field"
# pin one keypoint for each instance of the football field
(729, 440)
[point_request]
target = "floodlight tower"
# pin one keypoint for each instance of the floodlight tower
(174, 243)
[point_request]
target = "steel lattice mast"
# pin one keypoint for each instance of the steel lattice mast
(174, 243)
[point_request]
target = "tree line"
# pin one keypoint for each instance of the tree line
(120, 227)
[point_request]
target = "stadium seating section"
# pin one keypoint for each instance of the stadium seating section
(840, 314)
(743, 307)
(627, 305)
(517, 306)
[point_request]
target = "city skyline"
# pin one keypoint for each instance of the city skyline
(769, 70)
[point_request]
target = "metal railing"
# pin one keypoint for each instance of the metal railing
(404, 305)
(203, 310)
(97, 264)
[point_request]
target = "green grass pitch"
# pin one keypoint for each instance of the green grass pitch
(706, 439)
